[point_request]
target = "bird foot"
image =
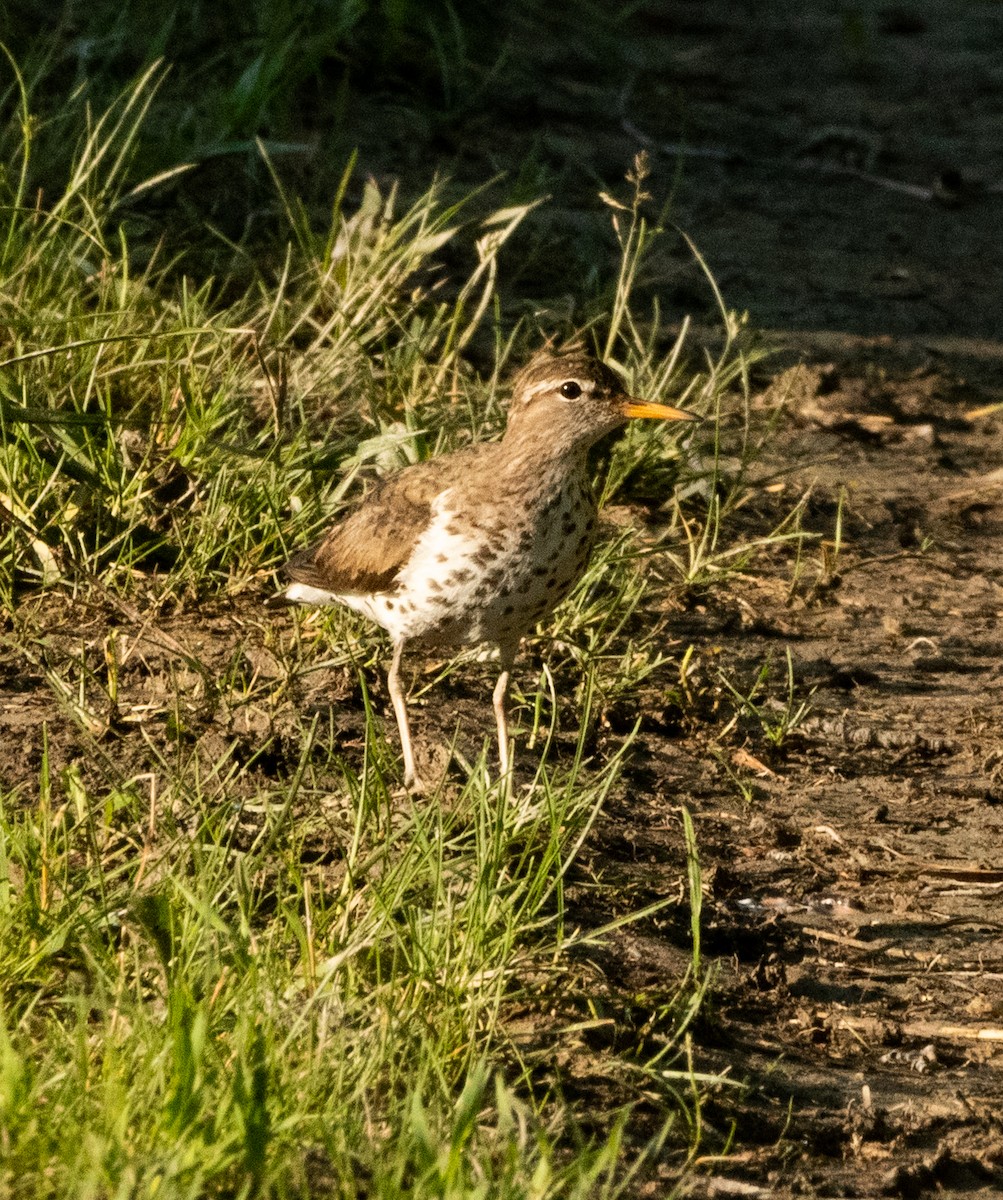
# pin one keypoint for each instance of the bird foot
(416, 785)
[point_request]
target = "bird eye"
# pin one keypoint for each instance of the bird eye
(571, 390)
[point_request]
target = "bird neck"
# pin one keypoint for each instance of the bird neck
(542, 442)
(538, 469)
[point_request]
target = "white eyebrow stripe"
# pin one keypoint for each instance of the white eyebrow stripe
(551, 385)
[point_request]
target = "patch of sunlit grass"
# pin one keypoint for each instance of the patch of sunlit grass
(233, 960)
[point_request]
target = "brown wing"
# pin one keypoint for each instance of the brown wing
(364, 552)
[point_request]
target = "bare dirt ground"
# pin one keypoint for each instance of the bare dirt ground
(854, 884)
(853, 876)
(855, 912)
(855, 894)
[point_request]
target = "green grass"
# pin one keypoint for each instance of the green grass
(190, 1008)
(233, 960)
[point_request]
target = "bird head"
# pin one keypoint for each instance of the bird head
(575, 398)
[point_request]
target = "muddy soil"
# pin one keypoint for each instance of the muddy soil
(856, 914)
(843, 178)
(853, 874)
(841, 175)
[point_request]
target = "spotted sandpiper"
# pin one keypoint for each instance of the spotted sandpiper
(479, 545)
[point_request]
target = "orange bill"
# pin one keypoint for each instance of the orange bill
(632, 407)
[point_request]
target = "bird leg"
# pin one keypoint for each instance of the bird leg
(498, 703)
(397, 699)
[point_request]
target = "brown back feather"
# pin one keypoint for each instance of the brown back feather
(365, 552)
